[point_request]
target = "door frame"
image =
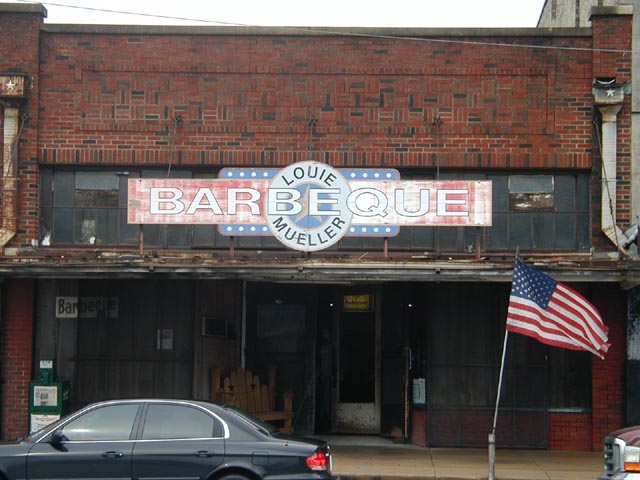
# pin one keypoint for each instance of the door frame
(338, 425)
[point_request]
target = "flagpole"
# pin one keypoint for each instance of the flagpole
(492, 435)
(548, 294)
(504, 354)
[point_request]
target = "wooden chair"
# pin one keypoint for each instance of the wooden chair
(244, 390)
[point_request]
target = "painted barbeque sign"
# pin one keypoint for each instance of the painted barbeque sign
(309, 206)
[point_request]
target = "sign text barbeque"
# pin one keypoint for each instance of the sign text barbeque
(309, 206)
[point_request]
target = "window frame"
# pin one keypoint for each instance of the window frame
(218, 427)
(87, 414)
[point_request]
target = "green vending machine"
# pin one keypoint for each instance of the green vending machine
(48, 398)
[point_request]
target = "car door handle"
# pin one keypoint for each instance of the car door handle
(112, 454)
(204, 453)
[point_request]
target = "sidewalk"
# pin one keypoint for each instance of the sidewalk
(360, 458)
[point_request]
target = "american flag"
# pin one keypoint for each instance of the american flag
(553, 313)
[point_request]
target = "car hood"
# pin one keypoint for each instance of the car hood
(15, 447)
(630, 435)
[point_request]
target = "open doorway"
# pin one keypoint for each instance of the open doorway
(357, 384)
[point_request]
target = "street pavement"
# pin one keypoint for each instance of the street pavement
(374, 458)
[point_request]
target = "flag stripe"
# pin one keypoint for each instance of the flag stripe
(531, 330)
(553, 313)
(527, 316)
(572, 318)
(547, 328)
(593, 326)
(572, 326)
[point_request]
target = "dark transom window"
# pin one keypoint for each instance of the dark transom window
(84, 208)
(544, 212)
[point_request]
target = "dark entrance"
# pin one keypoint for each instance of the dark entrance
(357, 408)
(465, 331)
(281, 331)
(357, 358)
(366, 383)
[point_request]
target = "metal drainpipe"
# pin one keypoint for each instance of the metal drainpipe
(609, 96)
(9, 176)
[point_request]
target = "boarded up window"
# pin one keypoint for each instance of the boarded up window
(531, 192)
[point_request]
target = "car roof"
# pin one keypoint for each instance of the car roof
(210, 406)
(201, 403)
(213, 408)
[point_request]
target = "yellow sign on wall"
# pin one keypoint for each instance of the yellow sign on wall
(359, 303)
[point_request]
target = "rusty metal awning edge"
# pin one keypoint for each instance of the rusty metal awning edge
(310, 271)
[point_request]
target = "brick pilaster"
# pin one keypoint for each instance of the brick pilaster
(17, 357)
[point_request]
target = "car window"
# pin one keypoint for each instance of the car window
(254, 421)
(112, 422)
(178, 421)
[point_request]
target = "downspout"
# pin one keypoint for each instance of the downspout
(10, 176)
(608, 99)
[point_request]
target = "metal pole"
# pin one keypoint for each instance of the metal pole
(504, 355)
(492, 435)
(492, 456)
(141, 240)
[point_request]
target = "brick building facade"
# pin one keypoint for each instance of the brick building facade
(159, 307)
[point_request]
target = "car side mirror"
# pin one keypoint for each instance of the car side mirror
(57, 437)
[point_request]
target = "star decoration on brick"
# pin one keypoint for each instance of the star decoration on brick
(11, 87)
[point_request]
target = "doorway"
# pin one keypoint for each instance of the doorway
(357, 395)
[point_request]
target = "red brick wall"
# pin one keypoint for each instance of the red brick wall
(608, 376)
(248, 99)
(419, 427)
(585, 431)
(17, 357)
(20, 34)
(570, 431)
(611, 35)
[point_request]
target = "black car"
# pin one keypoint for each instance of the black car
(163, 439)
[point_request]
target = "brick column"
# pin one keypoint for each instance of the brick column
(17, 357)
(608, 384)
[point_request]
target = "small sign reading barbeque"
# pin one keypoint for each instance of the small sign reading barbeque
(310, 206)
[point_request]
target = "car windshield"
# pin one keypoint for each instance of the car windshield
(253, 420)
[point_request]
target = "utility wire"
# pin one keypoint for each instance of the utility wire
(328, 30)
(122, 12)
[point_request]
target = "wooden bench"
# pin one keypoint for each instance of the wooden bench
(244, 390)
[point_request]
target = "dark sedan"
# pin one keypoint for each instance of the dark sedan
(163, 439)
